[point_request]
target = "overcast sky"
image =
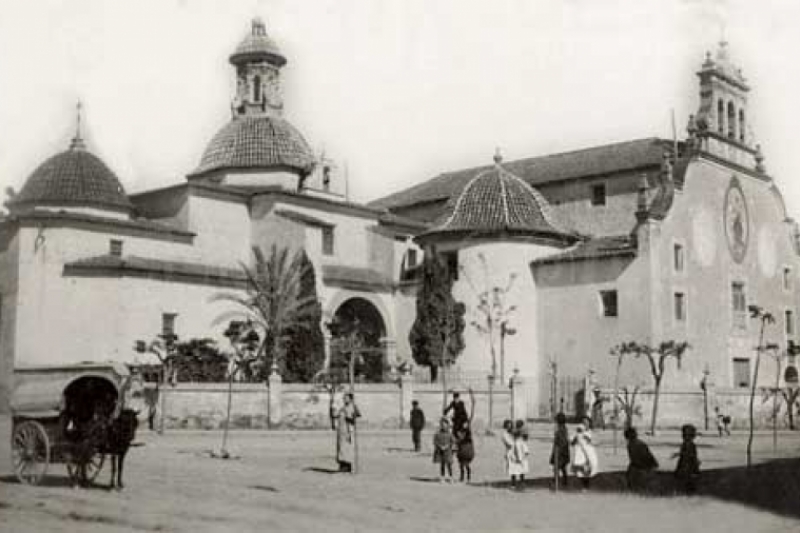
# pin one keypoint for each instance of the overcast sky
(400, 90)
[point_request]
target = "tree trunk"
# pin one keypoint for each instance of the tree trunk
(656, 395)
(752, 401)
(434, 373)
(227, 416)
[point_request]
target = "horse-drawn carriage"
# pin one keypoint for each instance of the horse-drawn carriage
(62, 414)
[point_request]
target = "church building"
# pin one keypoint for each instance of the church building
(648, 240)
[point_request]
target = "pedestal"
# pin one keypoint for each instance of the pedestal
(406, 396)
(275, 383)
(519, 405)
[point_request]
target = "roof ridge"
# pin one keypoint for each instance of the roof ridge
(504, 195)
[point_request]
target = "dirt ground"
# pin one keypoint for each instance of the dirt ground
(284, 481)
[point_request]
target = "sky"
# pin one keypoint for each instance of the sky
(396, 91)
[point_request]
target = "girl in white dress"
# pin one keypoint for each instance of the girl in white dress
(584, 455)
(518, 466)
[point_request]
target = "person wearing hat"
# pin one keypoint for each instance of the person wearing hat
(687, 471)
(459, 411)
(417, 423)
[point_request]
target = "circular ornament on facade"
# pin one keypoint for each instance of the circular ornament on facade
(737, 222)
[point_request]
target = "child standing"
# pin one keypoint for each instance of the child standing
(417, 423)
(518, 465)
(687, 472)
(641, 463)
(465, 451)
(443, 444)
(508, 441)
(559, 457)
(723, 422)
(584, 462)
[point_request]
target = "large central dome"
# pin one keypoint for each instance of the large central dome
(260, 142)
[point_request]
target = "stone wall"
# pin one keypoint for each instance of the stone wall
(302, 406)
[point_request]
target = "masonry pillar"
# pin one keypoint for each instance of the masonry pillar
(275, 387)
(389, 349)
(406, 396)
(519, 405)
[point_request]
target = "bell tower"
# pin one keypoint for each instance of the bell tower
(257, 61)
(721, 126)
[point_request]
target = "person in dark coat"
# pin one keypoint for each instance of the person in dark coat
(417, 423)
(459, 411)
(443, 444)
(687, 471)
(559, 457)
(641, 464)
(465, 451)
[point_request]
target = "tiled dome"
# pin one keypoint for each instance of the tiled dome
(498, 202)
(75, 177)
(256, 46)
(257, 142)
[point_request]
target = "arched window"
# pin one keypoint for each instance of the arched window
(256, 88)
(741, 125)
(731, 121)
(720, 117)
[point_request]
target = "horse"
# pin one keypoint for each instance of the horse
(118, 438)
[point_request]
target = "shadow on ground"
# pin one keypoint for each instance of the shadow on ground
(771, 486)
(55, 481)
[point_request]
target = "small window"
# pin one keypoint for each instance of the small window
(257, 89)
(327, 241)
(608, 299)
(789, 318)
(741, 373)
(787, 278)
(680, 306)
(739, 303)
(115, 247)
(678, 257)
(451, 260)
(412, 258)
(168, 325)
(599, 194)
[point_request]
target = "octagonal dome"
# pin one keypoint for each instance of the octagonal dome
(257, 142)
(74, 178)
(496, 202)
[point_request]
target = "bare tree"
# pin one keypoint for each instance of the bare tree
(657, 357)
(766, 319)
(494, 315)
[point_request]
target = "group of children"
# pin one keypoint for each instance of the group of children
(576, 453)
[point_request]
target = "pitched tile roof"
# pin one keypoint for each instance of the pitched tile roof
(598, 160)
(598, 248)
(257, 142)
(497, 201)
(74, 177)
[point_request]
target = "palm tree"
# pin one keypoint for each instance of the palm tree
(273, 301)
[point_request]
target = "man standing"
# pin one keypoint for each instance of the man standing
(417, 423)
(459, 411)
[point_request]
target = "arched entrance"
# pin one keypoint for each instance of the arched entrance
(360, 316)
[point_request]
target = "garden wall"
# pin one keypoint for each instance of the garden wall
(302, 406)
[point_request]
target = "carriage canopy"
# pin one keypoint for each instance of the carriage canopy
(46, 391)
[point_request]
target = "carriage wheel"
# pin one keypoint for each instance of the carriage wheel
(93, 467)
(30, 451)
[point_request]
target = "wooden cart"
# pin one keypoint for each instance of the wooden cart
(54, 409)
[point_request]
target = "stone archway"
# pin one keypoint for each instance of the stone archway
(360, 315)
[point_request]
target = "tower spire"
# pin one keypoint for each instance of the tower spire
(77, 141)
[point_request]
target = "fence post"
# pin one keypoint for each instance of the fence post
(275, 385)
(519, 405)
(406, 395)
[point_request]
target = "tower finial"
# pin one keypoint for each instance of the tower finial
(498, 156)
(77, 141)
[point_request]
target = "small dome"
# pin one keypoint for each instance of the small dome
(498, 202)
(75, 177)
(258, 46)
(257, 142)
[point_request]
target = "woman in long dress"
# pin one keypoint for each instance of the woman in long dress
(345, 434)
(584, 456)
